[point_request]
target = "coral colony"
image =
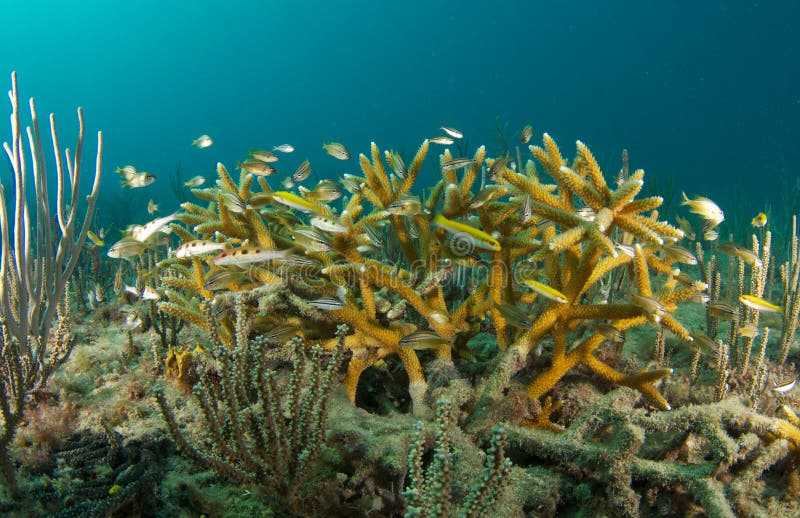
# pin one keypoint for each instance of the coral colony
(520, 335)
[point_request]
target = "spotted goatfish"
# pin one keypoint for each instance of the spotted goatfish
(198, 247)
(477, 237)
(240, 256)
(294, 201)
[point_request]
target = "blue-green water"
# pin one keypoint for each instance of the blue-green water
(707, 91)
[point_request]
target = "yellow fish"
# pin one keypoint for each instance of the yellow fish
(477, 237)
(96, 240)
(546, 291)
(294, 201)
(760, 220)
(152, 207)
(759, 304)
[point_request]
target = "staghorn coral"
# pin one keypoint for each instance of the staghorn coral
(577, 251)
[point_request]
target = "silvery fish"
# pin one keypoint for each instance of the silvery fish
(680, 254)
(515, 316)
(337, 150)
(733, 248)
(457, 163)
(281, 334)
(527, 133)
(126, 248)
(325, 190)
(134, 179)
(452, 132)
(302, 171)
(722, 310)
(223, 279)
(397, 164)
(442, 141)
(256, 167)
(284, 148)
(353, 184)
(263, 155)
(406, 205)
(686, 226)
(311, 239)
(652, 308)
(327, 303)
(203, 141)
(373, 235)
(197, 181)
(233, 202)
(497, 167)
(143, 233)
(328, 225)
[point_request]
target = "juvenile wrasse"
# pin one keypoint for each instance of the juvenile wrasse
(478, 238)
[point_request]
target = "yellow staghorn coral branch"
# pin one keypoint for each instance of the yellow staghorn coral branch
(415, 167)
(594, 172)
(227, 182)
(472, 172)
(643, 205)
(627, 191)
(380, 170)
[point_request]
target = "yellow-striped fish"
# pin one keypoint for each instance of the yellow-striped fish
(759, 304)
(96, 240)
(337, 150)
(423, 339)
(546, 291)
(294, 201)
(477, 237)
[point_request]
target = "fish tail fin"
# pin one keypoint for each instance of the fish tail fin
(685, 198)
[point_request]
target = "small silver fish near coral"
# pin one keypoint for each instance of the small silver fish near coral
(336, 150)
(196, 181)
(442, 141)
(457, 163)
(527, 133)
(452, 132)
(284, 148)
(327, 303)
(785, 387)
(202, 142)
(653, 309)
(406, 205)
(302, 171)
(263, 155)
(134, 179)
(256, 167)
(328, 225)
